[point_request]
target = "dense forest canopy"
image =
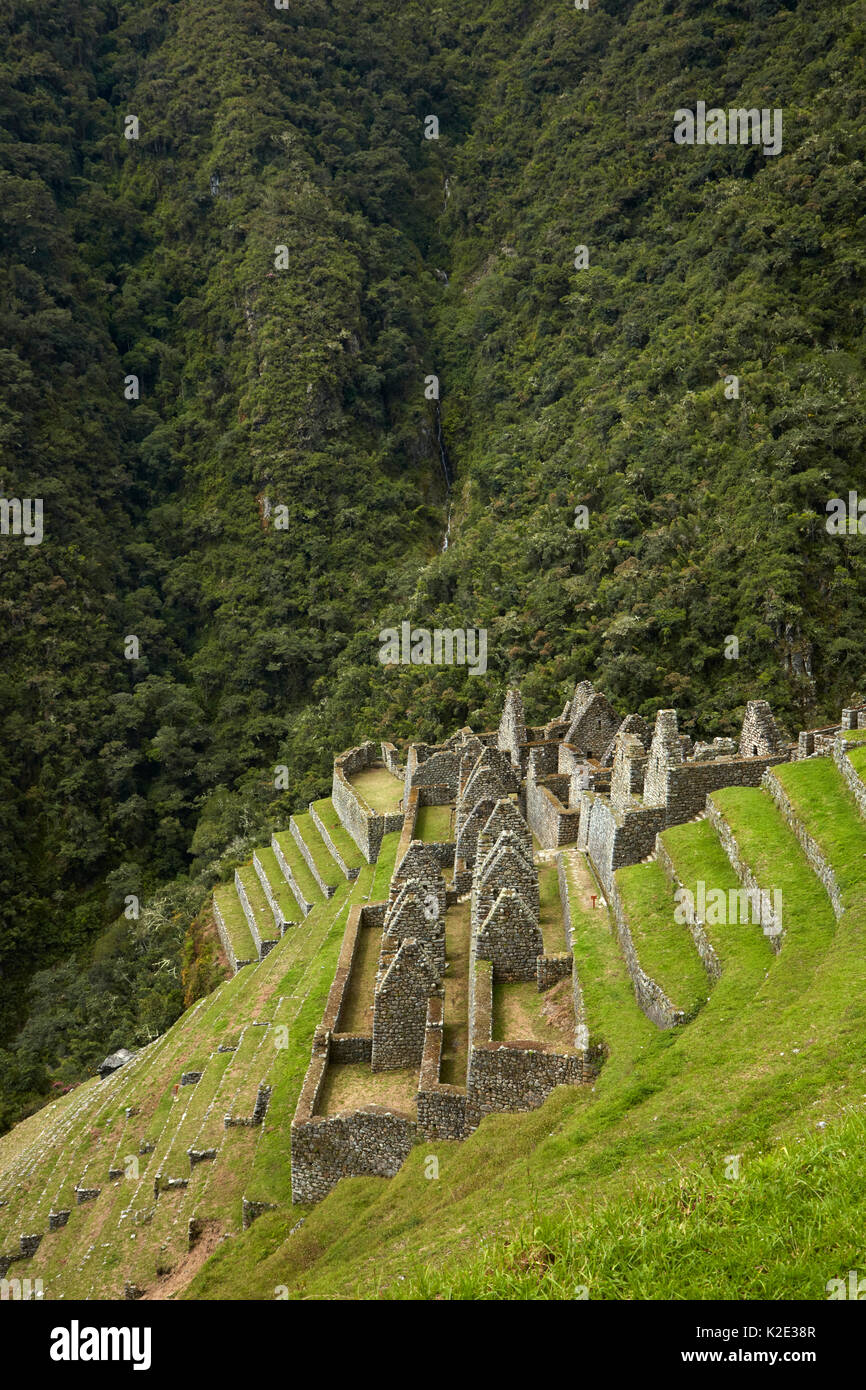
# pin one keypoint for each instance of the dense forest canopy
(169, 391)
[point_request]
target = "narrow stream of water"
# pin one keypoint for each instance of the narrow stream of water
(446, 470)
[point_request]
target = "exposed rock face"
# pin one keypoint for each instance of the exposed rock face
(115, 1061)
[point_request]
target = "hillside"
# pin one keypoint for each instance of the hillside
(274, 495)
(621, 1187)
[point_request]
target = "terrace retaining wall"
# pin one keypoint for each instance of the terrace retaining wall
(810, 846)
(649, 995)
(350, 874)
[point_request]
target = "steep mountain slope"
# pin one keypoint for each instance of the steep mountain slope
(263, 389)
(769, 1069)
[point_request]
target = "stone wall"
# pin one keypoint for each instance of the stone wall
(593, 724)
(613, 842)
(276, 911)
(856, 785)
(305, 906)
(760, 736)
(350, 874)
(811, 847)
(400, 1007)
(441, 1108)
(512, 727)
(510, 938)
(224, 937)
(391, 758)
(503, 1077)
(704, 946)
(628, 772)
(665, 753)
(351, 1047)
(371, 1142)
(409, 918)
(549, 970)
(689, 784)
(552, 823)
(262, 944)
(366, 827)
(649, 995)
(440, 770)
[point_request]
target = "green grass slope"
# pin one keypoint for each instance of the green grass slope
(624, 1188)
(771, 1069)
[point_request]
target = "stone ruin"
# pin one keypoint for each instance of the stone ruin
(594, 779)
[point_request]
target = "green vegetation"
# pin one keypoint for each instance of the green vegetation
(307, 885)
(780, 865)
(357, 1013)
(385, 867)
(550, 909)
(342, 840)
(771, 1065)
(596, 1188)
(435, 823)
(380, 790)
(302, 390)
(324, 861)
(697, 1235)
(664, 946)
(236, 925)
(130, 787)
(279, 887)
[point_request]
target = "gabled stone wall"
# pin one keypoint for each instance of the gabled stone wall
(512, 727)
(400, 1007)
(510, 938)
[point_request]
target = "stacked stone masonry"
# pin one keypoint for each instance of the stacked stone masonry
(597, 780)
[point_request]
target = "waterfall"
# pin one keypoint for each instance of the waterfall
(443, 452)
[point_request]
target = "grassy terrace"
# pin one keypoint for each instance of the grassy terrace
(455, 1039)
(357, 1012)
(306, 988)
(385, 867)
(235, 922)
(664, 947)
(319, 852)
(351, 1085)
(296, 862)
(279, 887)
(550, 905)
(778, 863)
(343, 842)
(615, 1022)
(771, 1068)
(857, 757)
(775, 1051)
(435, 823)
(382, 792)
(93, 1252)
(831, 816)
(258, 902)
(698, 857)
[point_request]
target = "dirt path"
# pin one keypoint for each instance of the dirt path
(176, 1281)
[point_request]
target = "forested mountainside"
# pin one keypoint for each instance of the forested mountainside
(275, 496)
